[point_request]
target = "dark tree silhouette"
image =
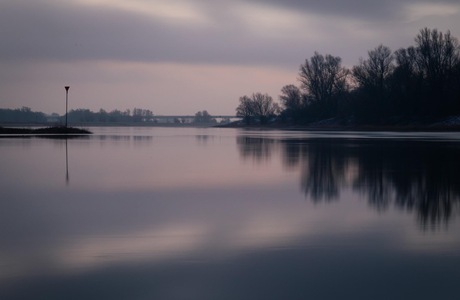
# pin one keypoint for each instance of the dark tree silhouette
(437, 59)
(293, 102)
(418, 85)
(437, 55)
(372, 76)
(406, 83)
(21, 115)
(323, 78)
(245, 109)
(259, 107)
(373, 72)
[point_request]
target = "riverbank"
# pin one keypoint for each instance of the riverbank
(451, 124)
(344, 128)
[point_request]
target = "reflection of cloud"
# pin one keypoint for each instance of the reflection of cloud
(225, 228)
(257, 222)
(151, 245)
(444, 243)
(247, 225)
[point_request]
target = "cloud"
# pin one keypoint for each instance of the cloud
(97, 32)
(274, 36)
(244, 32)
(280, 33)
(365, 10)
(422, 10)
(176, 11)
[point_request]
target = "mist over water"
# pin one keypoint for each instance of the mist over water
(188, 213)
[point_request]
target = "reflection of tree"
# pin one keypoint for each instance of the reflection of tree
(374, 173)
(416, 176)
(293, 153)
(427, 179)
(67, 179)
(258, 149)
(202, 139)
(323, 171)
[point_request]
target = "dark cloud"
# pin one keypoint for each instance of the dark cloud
(354, 8)
(375, 10)
(48, 30)
(43, 32)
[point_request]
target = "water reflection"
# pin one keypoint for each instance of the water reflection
(202, 139)
(191, 217)
(414, 176)
(67, 179)
(258, 149)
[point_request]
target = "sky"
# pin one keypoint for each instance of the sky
(177, 57)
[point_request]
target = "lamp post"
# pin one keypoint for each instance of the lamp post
(66, 101)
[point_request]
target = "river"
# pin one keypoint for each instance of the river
(216, 213)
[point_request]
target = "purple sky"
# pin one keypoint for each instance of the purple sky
(182, 56)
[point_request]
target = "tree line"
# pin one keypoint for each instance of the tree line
(115, 116)
(138, 115)
(419, 83)
(21, 115)
(25, 115)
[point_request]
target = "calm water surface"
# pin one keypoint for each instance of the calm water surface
(174, 213)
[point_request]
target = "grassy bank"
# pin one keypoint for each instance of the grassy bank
(61, 130)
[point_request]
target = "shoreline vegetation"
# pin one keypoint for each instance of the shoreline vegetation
(56, 130)
(408, 89)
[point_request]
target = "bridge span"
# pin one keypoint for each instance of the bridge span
(192, 117)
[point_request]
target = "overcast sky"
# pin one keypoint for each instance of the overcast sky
(182, 56)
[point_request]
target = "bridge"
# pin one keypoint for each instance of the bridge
(192, 117)
(188, 118)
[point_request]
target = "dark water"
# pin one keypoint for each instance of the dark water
(171, 213)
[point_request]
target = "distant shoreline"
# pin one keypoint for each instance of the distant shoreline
(112, 124)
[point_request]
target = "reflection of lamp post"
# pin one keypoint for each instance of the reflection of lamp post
(66, 100)
(66, 163)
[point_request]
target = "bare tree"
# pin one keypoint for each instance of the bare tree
(245, 109)
(406, 83)
(436, 51)
(292, 101)
(438, 63)
(323, 78)
(406, 59)
(376, 69)
(437, 55)
(259, 106)
(291, 97)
